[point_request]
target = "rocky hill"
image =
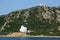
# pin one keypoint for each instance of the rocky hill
(42, 20)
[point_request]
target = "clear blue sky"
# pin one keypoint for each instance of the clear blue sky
(7, 6)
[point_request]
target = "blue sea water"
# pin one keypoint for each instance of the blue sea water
(27, 38)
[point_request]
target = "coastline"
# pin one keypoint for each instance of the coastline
(32, 36)
(19, 34)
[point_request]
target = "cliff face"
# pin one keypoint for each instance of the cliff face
(40, 19)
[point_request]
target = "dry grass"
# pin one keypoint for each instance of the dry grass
(17, 34)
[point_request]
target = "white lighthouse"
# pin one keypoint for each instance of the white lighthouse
(23, 29)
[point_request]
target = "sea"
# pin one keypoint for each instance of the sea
(27, 38)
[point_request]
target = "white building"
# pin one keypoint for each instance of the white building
(43, 5)
(23, 29)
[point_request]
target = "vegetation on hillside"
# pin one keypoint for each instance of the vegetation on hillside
(42, 20)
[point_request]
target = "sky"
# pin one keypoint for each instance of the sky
(7, 6)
